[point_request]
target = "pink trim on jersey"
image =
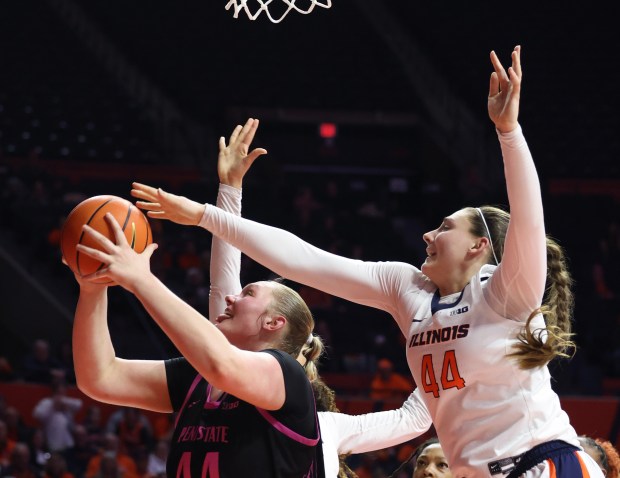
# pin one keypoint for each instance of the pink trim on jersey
(212, 404)
(189, 394)
(287, 431)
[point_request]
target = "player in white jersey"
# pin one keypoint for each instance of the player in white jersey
(341, 434)
(477, 344)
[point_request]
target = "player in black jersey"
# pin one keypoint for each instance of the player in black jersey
(245, 406)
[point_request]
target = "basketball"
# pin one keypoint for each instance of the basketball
(92, 211)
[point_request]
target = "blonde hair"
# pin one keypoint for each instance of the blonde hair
(536, 347)
(300, 323)
(311, 352)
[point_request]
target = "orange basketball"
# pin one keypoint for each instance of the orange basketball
(91, 211)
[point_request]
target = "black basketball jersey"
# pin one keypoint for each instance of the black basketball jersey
(230, 438)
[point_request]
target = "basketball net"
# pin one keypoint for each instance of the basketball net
(263, 6)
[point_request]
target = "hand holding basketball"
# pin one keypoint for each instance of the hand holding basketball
(132, 223)
(120, 262)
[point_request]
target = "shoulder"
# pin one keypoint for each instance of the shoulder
(406, 275)
(179, 376)
(291, 368)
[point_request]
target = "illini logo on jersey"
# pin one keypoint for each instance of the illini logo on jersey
(445, 334)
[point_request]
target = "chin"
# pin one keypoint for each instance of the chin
(427, 270)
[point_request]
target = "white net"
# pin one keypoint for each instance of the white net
(283, 7)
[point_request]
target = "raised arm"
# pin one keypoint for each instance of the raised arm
(251, 376)
(375, 431)
(377, 284)
(102, 375)
(232, 164)
(517, 287)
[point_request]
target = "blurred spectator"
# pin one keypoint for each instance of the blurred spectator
(40, 366)
(93, 425)
(156, 466)
(65, 359)
(6, 446)
(99, 465)
(19, 465)
(109, 467)
(188, 257)
(196, 290)
(315, 298)
(366, 465)
(306, 205)
(112, 425)
(163, 426)
(134, 432)
(57, 467)
(388, 384)
(81, 453)
(39, 451)
(17, 428)
(56, 415)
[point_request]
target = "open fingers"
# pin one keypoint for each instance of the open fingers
(157, 214)
(249, 131)
(235, 134)
(119, 235)
(222, 143)
(516, 60)
(255, 154)
(149, 206)
(493, 85)
(499, 69)
(94, 253)
(99, 239)
(142, 191)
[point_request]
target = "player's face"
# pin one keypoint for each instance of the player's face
(240, 322)
(447, 248)
(432, 463)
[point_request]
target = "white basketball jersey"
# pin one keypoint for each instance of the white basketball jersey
(483, 406)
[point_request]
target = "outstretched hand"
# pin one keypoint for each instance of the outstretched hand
(160, 204)
(504, 92)
(122, 264)
(234, 160)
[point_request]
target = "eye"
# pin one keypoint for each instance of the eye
(443, 465)
(443, 227)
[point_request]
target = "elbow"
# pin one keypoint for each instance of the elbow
(94, 391)
(90, 386)
(86, 387)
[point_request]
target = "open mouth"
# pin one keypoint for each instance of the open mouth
(224, 316)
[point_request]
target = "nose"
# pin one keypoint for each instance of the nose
(429, 471)
(428, 236)
(230, 299)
